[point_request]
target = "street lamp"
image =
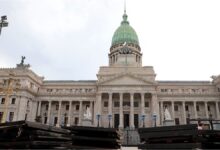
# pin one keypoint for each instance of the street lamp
(143, 118)
(3, 23)
(98, 117)
(155, 119)
(109, 120)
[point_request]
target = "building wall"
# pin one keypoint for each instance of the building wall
(34, 94)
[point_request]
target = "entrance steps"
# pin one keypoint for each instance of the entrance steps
(130, 137)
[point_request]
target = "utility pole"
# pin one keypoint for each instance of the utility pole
(8, 87)
(3, 23)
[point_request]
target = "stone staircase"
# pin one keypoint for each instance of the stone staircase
(130, 137)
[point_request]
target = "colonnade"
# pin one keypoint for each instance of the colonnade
(194, 112)
(121, 97)
(59, 114)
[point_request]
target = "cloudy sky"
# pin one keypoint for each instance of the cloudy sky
(70, 39)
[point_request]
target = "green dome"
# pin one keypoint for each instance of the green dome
(125, 33)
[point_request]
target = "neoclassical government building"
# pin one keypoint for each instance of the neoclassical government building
(125, 94)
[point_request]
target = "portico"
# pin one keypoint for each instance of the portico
(126, 108)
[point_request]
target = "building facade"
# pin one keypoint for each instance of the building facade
(125, 93)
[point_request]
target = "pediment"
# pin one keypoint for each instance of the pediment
(126, 80)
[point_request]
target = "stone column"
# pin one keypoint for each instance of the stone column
(172, 108)
(99, 109)
(162, 113)
(110, 106)
(48, 113)
(70, 113)
(142, 104)
(155, 107)
(184, 113)
(91, 110)
(80, 112)
(59, 115)
(18, 110)
(131, 110)
(94, 112)
(195, 111)
(206, 110)
(217, 109)
(39, 108)
(121, 125)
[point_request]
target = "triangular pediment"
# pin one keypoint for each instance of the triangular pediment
(126, 79)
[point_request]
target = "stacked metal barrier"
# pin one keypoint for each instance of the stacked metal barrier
(179, 137)
(95, 137)
(31, 135)
(24, 134)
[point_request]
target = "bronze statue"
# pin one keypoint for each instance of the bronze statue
(22, 60)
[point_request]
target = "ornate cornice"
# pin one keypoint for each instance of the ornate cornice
(216, 94)
(129, 74)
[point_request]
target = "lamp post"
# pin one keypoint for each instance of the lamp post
(98, 117)
(3, 23)
(109, 120)
(9, 86)
(143, 119)
(155, 119)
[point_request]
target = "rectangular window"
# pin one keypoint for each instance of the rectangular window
(5, 82)
(116, 104)
(193, 90)
(65, 121)
(177, 121)
(187, 108)
(3, 101)
(77, 107)
(76, 121)
(187, 120)
(136, 119)
(1, 116)
(176, 107)
(208, 108)
(136, 104)
(45, 120)
(11, 116)
(13, 100)
(197, 107)
(67, 107)
(49, 90)
(116, 122)
(47, 107)
(57, 107)
(163, 90)
(28, 103)
(25, 117)
(55, 120)
(146, 104)
(105, 104)
(126, 103)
